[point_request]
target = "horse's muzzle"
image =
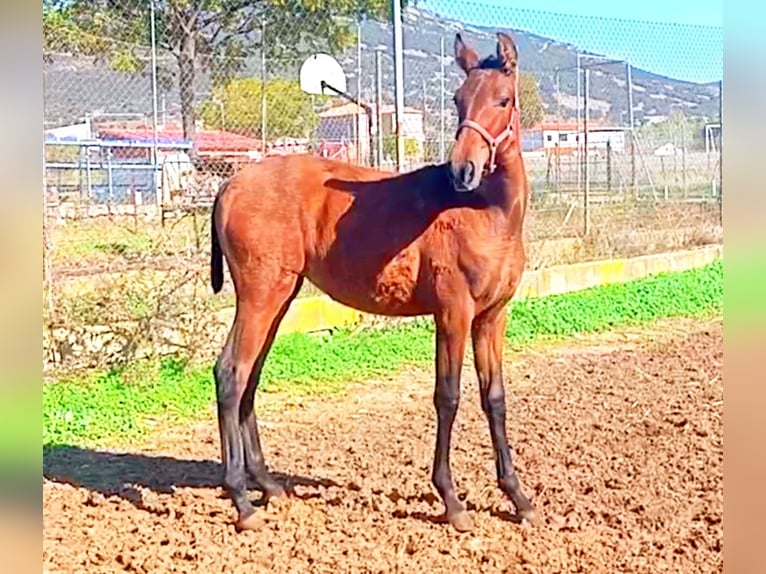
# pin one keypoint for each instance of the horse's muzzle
(465, 176)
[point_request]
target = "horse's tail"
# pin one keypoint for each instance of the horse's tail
(216, 255)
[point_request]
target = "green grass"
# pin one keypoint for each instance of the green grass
(118, 407)
(91, 241)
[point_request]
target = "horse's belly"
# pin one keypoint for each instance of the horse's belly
(388, 289)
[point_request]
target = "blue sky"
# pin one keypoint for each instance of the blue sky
(682, 39)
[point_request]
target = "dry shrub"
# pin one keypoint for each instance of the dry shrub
(155, 302)
(629, 228)
(121, 319)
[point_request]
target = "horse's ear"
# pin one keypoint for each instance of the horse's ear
(466, 57)
(506, 53)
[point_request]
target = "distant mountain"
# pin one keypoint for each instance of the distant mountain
(75, 87)
(653, 95)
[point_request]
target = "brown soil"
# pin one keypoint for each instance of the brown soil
(618, 441)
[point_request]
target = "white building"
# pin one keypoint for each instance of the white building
(566, 138)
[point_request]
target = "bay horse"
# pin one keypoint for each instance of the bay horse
(444, 240)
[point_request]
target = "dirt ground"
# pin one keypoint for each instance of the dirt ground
(618, 440)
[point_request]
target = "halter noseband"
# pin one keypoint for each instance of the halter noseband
(494, 142)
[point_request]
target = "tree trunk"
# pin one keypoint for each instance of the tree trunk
(186, 69)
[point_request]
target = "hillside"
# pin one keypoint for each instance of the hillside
(652, 94)
(75, 87)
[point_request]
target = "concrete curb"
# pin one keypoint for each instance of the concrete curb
(566, 278)
(84, 345)
(320, 312)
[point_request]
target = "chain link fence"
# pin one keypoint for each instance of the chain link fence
(149, 106)
(651, 176)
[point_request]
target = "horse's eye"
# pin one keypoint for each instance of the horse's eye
(504, 102)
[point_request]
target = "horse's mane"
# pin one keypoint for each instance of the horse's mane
(491, 62)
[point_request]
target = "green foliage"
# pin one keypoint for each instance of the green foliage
(690, 293)
(678, 129)
(115, 406)
(530, 101)
(118, 403)
(91, 29)
(236, 107)
(202, 31)
(411, 147)
(55, 153)
(126, 61)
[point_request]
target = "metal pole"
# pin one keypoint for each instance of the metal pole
(577, 134)
(155, 158)
(89, 179)
(586, 207)
(398, 83)
(223, 113)
(609, 165)
(358, 140)
(557, 82)
(263, 86)
(630, 96)
(557, 143)
(632, 126)
(110, 179)
(368, 110)
(425, 118)
(579, 91)
(379, 105)
(683, 153)
(442, 146)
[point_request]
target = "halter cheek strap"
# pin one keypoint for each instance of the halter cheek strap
(493, 142)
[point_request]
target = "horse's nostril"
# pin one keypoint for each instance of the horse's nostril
(468, 172)
(455, 171)
(463, 173)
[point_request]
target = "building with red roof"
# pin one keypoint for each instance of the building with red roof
(213, 144)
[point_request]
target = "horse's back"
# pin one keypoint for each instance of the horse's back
(289, 203)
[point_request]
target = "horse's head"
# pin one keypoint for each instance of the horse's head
(488, 111)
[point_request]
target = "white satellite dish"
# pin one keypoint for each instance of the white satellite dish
(322, 70)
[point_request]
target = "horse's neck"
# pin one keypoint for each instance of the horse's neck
(508, 191)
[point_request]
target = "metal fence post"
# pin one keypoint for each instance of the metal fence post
(379, 105)
(398, 83)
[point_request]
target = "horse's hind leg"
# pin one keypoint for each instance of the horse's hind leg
(488, 333)
(254, 460)
(256, 311)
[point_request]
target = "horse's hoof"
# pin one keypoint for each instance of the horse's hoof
(275, 495)
(277, 499)
(252, 522)
(461, 521)
(529, 515)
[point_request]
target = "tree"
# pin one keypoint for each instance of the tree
(235, 106)
(200, 31)
(530, 101)
(678, 129)
(411, 147)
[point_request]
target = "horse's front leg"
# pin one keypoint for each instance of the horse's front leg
(451, 335)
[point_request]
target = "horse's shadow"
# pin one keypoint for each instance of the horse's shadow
(119, 474)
